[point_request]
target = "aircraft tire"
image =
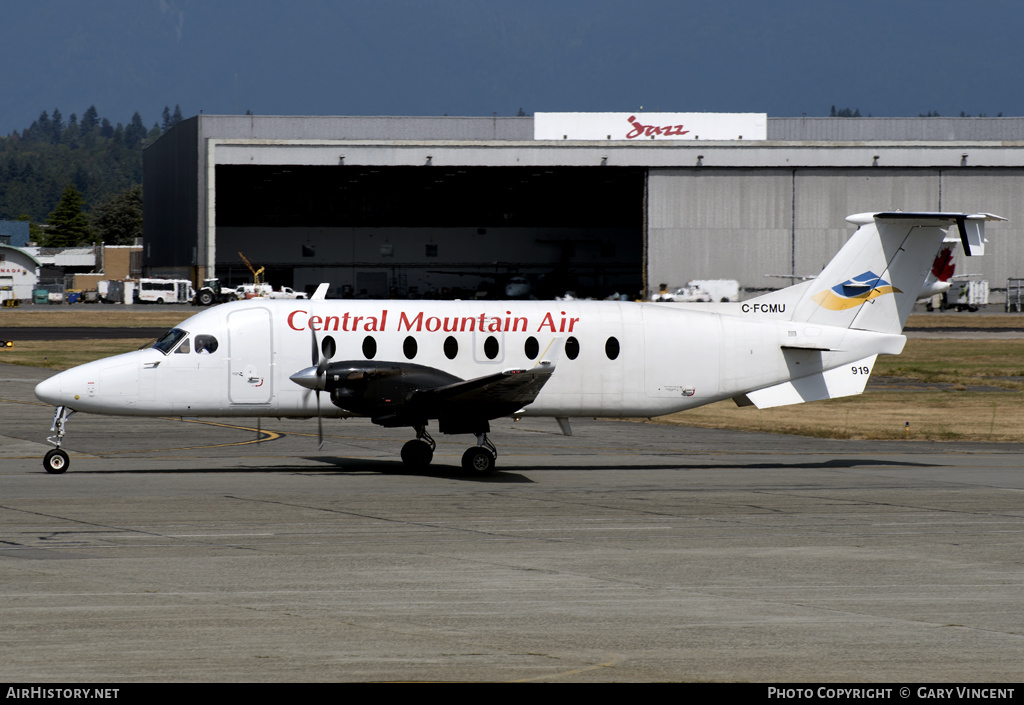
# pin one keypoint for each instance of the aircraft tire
(417, 454)
(56, 462)
(478, 460)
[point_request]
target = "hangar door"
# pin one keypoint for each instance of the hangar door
(434, 232)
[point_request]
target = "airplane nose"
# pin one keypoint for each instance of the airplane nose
(49, 390)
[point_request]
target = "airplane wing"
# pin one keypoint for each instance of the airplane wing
(517, 387)
(403, 394)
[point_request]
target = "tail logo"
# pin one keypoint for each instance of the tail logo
(854, 292)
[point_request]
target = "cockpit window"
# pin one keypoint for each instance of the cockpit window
(206, 344)
(184, 348)
(169, 340)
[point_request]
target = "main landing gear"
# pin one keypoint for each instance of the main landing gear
(480, 459)
(56, 461)
(418, 453)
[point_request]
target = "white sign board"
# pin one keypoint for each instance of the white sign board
(650, 126)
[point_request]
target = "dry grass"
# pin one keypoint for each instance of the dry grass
(965, 320)
(933, 385)
(932, 415)
(95, 316)
(959, 362)
(65, 354)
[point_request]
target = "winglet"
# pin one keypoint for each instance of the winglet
(321, 292)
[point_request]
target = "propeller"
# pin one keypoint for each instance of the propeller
(315, 378)
(320, 363)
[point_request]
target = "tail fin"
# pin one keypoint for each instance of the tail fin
(874, 280)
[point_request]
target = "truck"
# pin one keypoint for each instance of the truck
(702, 290)
(252, 291)
(286, 292)
(211, 292)
(966, 294)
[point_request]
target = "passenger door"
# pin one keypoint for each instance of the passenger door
(251, 347)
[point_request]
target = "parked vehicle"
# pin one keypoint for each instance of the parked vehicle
(967, 295)
(702, 290)
(211, 292)
(252, 291)
(286, 292)
(164, 291)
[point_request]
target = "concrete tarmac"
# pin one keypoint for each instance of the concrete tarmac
(187, 552)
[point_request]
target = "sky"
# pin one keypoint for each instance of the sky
(891, 58)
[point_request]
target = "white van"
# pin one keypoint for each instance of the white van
(164, 291)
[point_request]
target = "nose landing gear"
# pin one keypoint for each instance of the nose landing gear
(56, 461)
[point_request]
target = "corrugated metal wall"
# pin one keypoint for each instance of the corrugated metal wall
(365, 128)
(861, 129)
(737, 222)
(745, 223)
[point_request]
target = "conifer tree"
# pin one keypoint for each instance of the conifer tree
(69, 226)
(118, 220)
(90, 119)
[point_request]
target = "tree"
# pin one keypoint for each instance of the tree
(56, 125)
(135, 132)
(90, 119)
(169, 119)
(118, 220)
(69, 226)
(41, 130)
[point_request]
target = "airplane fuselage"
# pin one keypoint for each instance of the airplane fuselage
(613, 359)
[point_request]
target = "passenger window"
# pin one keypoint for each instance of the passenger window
(369, 347)
(572, 348)
(451, 347)
(184, 348)
(409, 347)
(491, 347)
(611, 348)
(206, 344)
(328, 347)
(532, 348)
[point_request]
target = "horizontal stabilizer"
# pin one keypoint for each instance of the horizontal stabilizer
(971, 227)
(843, 381)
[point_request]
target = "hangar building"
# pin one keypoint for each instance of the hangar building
(443, 206)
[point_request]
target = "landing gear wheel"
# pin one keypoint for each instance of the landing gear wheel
(478, 460)
(56, 462)
(417, 454)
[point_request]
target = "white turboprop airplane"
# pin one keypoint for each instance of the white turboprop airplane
(463, 363)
